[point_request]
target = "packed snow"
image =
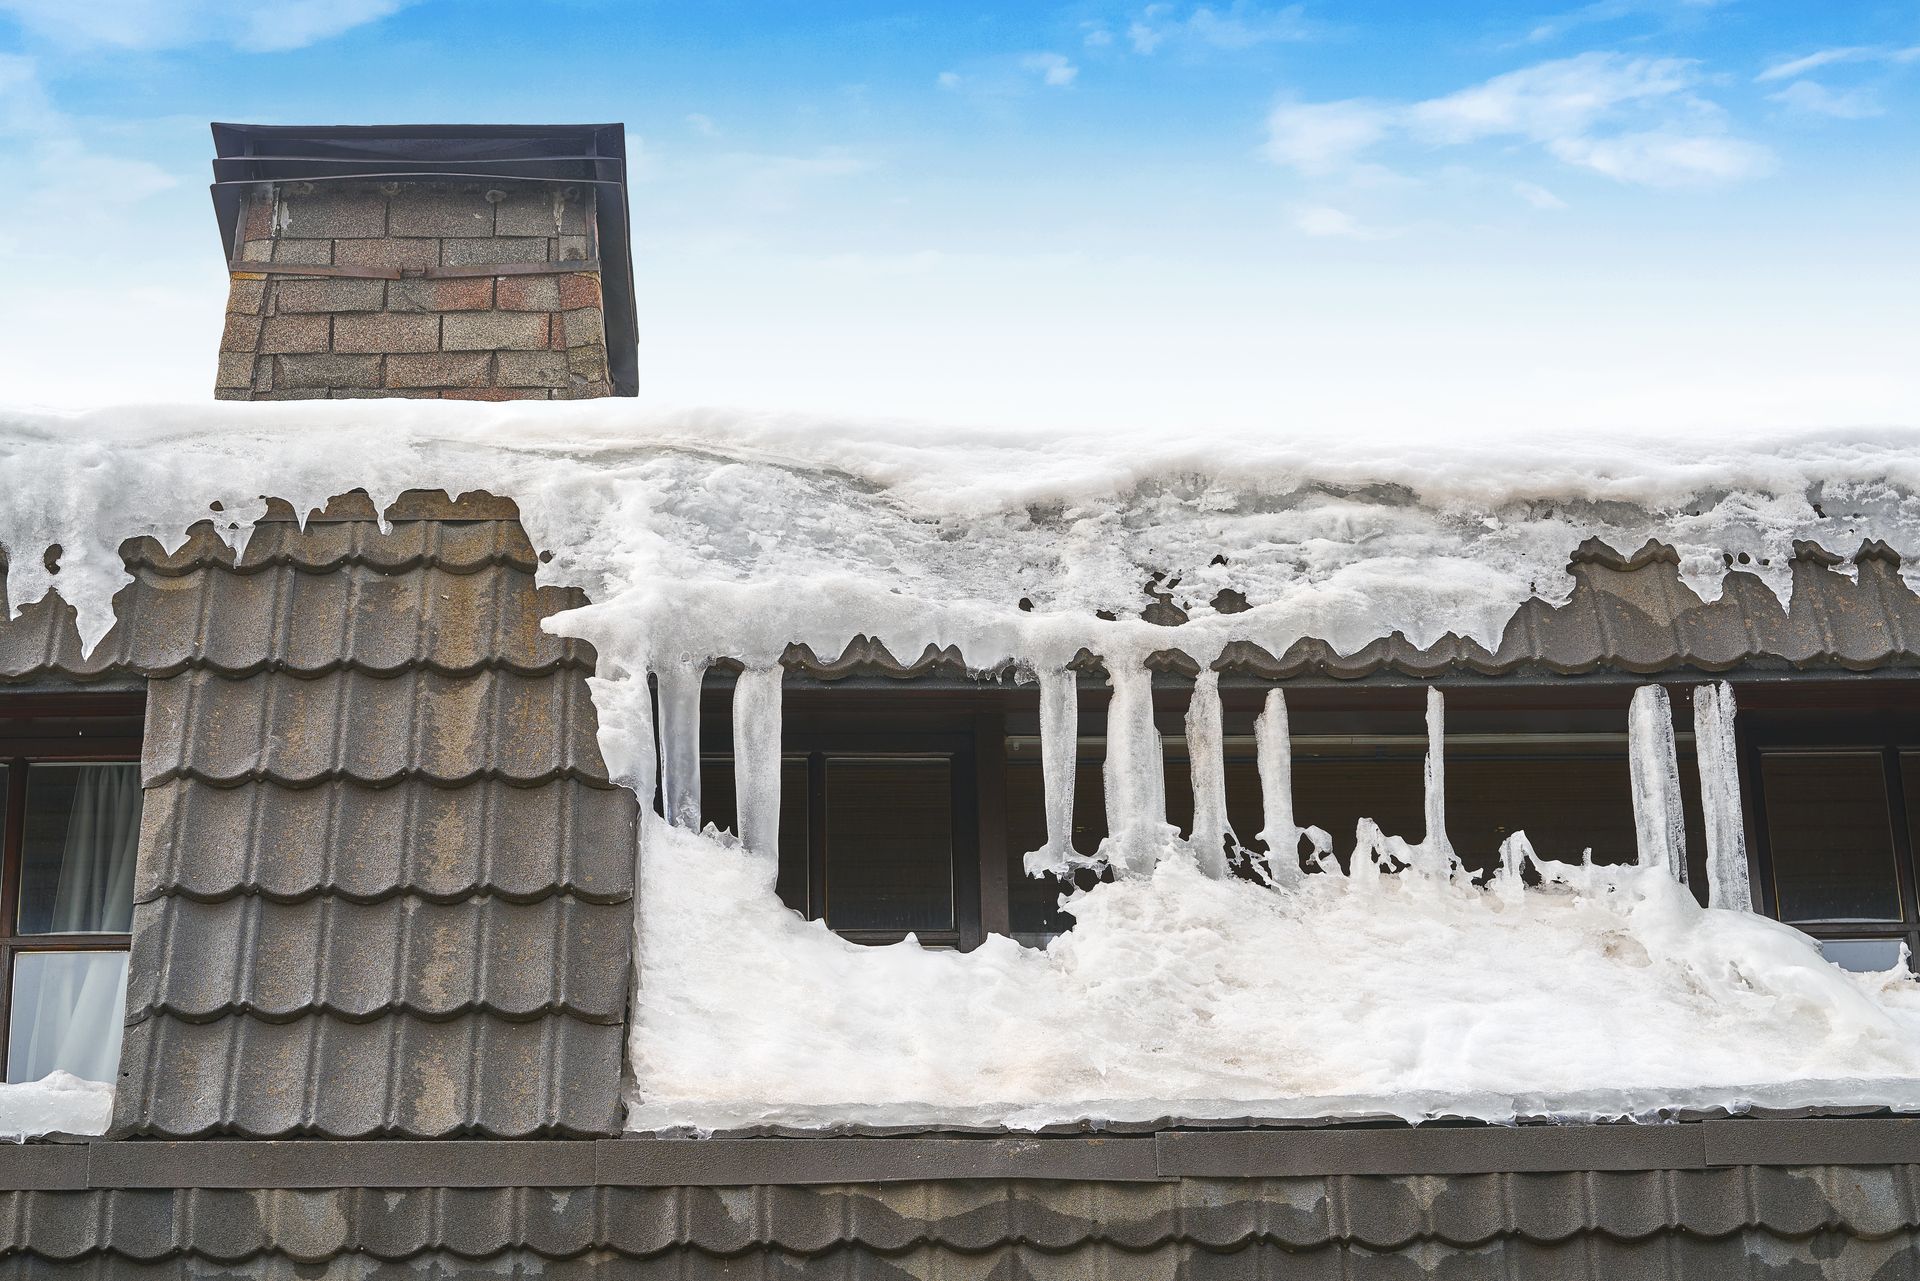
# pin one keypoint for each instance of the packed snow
(58, 1103)
(1374, 975)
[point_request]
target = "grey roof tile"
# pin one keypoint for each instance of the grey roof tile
(344, 839)
(372, 729)
(398, 1075)
(930, 1230)
(357, 961)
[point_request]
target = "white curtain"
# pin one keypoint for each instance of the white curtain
(68, 1007)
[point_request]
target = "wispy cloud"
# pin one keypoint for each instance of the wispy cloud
(1809, 97)
(1004, 78)
(1328, 222)
(1320, 137)
(1052, 68)
(167, 24)
(1792, 67)
(1605, 11)
(1537, 196)
(55, 178)
(1241, 25)
(1637, 120)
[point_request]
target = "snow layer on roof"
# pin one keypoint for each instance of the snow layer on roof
(705, 535)
(1608, 992)
(59, 1103)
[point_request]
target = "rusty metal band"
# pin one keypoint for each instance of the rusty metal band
(417, 273)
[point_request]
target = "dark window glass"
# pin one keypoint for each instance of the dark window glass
(1334, 787)
(79, 837)
(718, 807)
(889, 856)
(1864, 955)
(1566, 804)
(1032, 902)
(1828, 830)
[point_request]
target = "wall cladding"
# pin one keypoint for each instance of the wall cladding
(458, 336)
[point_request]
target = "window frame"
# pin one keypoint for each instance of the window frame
(65, 729)
(1884, 734)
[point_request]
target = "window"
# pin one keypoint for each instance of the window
(70, 810)
(1569, 792)
(1836, 838)
(876, 832)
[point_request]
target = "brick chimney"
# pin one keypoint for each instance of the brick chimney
(457, 262)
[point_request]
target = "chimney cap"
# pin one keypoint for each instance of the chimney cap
(555, 155)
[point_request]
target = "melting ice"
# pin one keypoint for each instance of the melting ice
(1363, 972)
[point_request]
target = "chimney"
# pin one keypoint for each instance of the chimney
(469, 262)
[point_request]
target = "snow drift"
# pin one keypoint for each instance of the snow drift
(1398, 985)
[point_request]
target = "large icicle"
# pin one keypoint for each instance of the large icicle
(1660, 825)
(1713, 747)
(1434, 855)
(1134, 772)
(756, 757)
(1059, 768)
(679, 729)
(1273, 745)
(1206, 761)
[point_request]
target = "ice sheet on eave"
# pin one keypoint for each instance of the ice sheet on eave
(705, 534)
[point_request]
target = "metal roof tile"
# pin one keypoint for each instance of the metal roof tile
(279, 961)
(396, 1075)
(345, 839)
(375, 730)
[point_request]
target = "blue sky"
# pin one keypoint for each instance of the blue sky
(1651, 213)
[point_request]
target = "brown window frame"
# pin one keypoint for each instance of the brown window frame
(1887, 735)
(63, 729)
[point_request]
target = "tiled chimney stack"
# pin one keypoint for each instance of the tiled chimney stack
(486, 293)
(435, 262)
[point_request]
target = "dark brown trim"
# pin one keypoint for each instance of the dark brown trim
(990, 823)
(1167, 1155)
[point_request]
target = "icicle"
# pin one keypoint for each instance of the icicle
(1134, 772)
(756, 758)
(1434, 855)
(1509, 883)
(1059, 767)
(1713, 745)
(1206, 761)
(679, 694)
(1273, 746)
(1660, 825)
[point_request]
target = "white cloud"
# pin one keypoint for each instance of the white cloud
(997, 80)
(164, 24)
(1052, 68)
(1828, 57)
(1657, 158)
(51, 169)
(1537, 196)
(702, 125)
(1633, 119)
(1812, 98)
(1241, 25)
(1549, 100)
(1318, 137)
(1603, 11)
(1326, 221)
